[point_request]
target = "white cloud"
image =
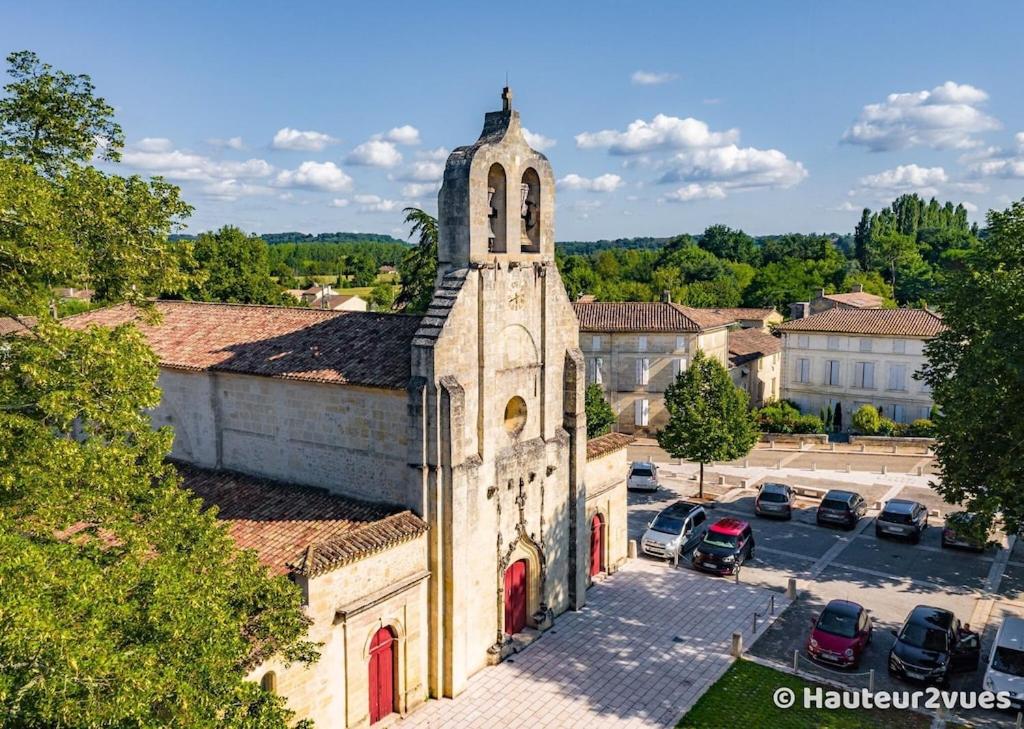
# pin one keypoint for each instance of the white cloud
(375, 153)
(308, 141)
(229, 143)
(734, 168)
(662, 132)
(157, 156)
(316, 176)
(695, 191)
(602, 183)
(844, 207)
(969, 207)
(422, 171)
(651, 78)
(405, 134)
(339, 202)
(996, 162)
(947, 117)
(438, 154)
(906, 178)
(538, 141)
(230, 190)
(419, 189)
(377, 204)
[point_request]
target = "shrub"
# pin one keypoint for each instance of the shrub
(921, 428)
(866, 420)
(808, 424)
(888, 427)
(777, 417)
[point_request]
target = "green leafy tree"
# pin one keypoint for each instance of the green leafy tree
(382, 296)
(122, 602)
(600, 416)
(418, 269)
(732, 245)
(361, 269)
(51, 119)
(709, 419)
(232, 267)
(974, 368)
(867, 419)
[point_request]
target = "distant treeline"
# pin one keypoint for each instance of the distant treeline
(587, 247)
(295, 237)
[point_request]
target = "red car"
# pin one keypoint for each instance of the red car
(726, 545)
(840, 634)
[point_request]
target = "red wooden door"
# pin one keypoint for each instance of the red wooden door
(382, 674)
(515, 597)
(596, 545)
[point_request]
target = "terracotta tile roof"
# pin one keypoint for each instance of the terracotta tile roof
(746, 345)
(316, 345)
(746, 313)
(858, 299)
(891, 322)
(644, 316)
(608, 443)
(297, 528)
(15, 325)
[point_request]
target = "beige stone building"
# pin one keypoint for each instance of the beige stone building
(755, 364)
(635, 350)
(752, 318)
(426, 481)
(856, 298)
(855, 357)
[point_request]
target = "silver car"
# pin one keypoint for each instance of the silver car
(643, 476)
(675, 531)
(902, 518)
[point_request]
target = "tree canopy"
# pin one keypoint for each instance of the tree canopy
(418, 270)
(600, 416)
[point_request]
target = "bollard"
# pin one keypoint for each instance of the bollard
(675, 559)
(863, 448)
(848, 468)
(737, 645)
(814, 465)
(920, 470)
(771, 445)
(1020, 720)
(746, 463)
(721, 480)
(885, 470)
(871, 681)
(778, 466)
(791, 588)
(631, 549)
(796, 659)
(833, 447)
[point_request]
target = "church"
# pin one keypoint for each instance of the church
(426, 481)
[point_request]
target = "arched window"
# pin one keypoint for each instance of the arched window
(530, 212)
(496, 196)
(269, 682)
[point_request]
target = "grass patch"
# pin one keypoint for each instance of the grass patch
(742, 697)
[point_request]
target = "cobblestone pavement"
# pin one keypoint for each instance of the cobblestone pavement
(649, 642)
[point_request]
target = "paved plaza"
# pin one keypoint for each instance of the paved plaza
(649, 642)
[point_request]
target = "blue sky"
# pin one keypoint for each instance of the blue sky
(658, 117)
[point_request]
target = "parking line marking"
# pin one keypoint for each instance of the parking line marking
(905, 580)
(785, 553)
(998, 569)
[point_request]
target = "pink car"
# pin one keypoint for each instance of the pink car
(840, 634)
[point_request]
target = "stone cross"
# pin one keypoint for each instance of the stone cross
(506, 99)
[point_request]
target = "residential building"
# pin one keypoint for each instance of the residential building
(750, 318)
(634, 350)
(426, 481)
(341, 302)
(855, 357)
(856, 298)
(755, 364)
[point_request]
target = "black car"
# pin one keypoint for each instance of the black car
(931, 645)
(841, 507)
(726, 545)
(774, 499)
(902, 518)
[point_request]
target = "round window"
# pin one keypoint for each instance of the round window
(515, 415)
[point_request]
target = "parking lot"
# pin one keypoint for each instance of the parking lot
(886, 576)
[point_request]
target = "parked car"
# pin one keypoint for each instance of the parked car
(932, 645)
(840, 634)
(841, 507)
(902, 518)
(1005, 671)
(774, 499)
(676, 530)
(643, 476)
(726, 545)
(957, 532)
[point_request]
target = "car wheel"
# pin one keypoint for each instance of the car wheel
(916, 539)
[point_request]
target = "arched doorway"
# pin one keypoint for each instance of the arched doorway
(382, 674)
(596, 545)
(516, 596)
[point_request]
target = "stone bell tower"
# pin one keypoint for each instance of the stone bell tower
(499, 378)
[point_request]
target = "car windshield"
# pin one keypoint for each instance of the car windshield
(1008, 660)
(837, 623)
(895, 518)
(642, 471)
(921, 636)
(667, 524)
(835, 504)
(717, 539)
(772, 497)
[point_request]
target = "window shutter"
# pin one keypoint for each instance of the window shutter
(641, 343)
(869, 374)
(642, 370)
(644, 411)
(680, 344)
(678, 366)
(595, 343)
(598, 364)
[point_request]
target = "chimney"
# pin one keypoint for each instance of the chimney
(821, 294)
(666, 296)
(799, 309)
(857, 288)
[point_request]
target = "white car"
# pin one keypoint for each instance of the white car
(675, 531)
(643, 476)
(1005, 670)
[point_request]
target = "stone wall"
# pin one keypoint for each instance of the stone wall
(605, 478)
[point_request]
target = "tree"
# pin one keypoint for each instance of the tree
(974, 370)
(862, 238)
(362, 269)
(867, 419)
(232, 267)
(122, 602)
(709, 418)
(732, 245)
(50, 119)
(837, 418)
(600, 416)
(382, 296)
(418, 269)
